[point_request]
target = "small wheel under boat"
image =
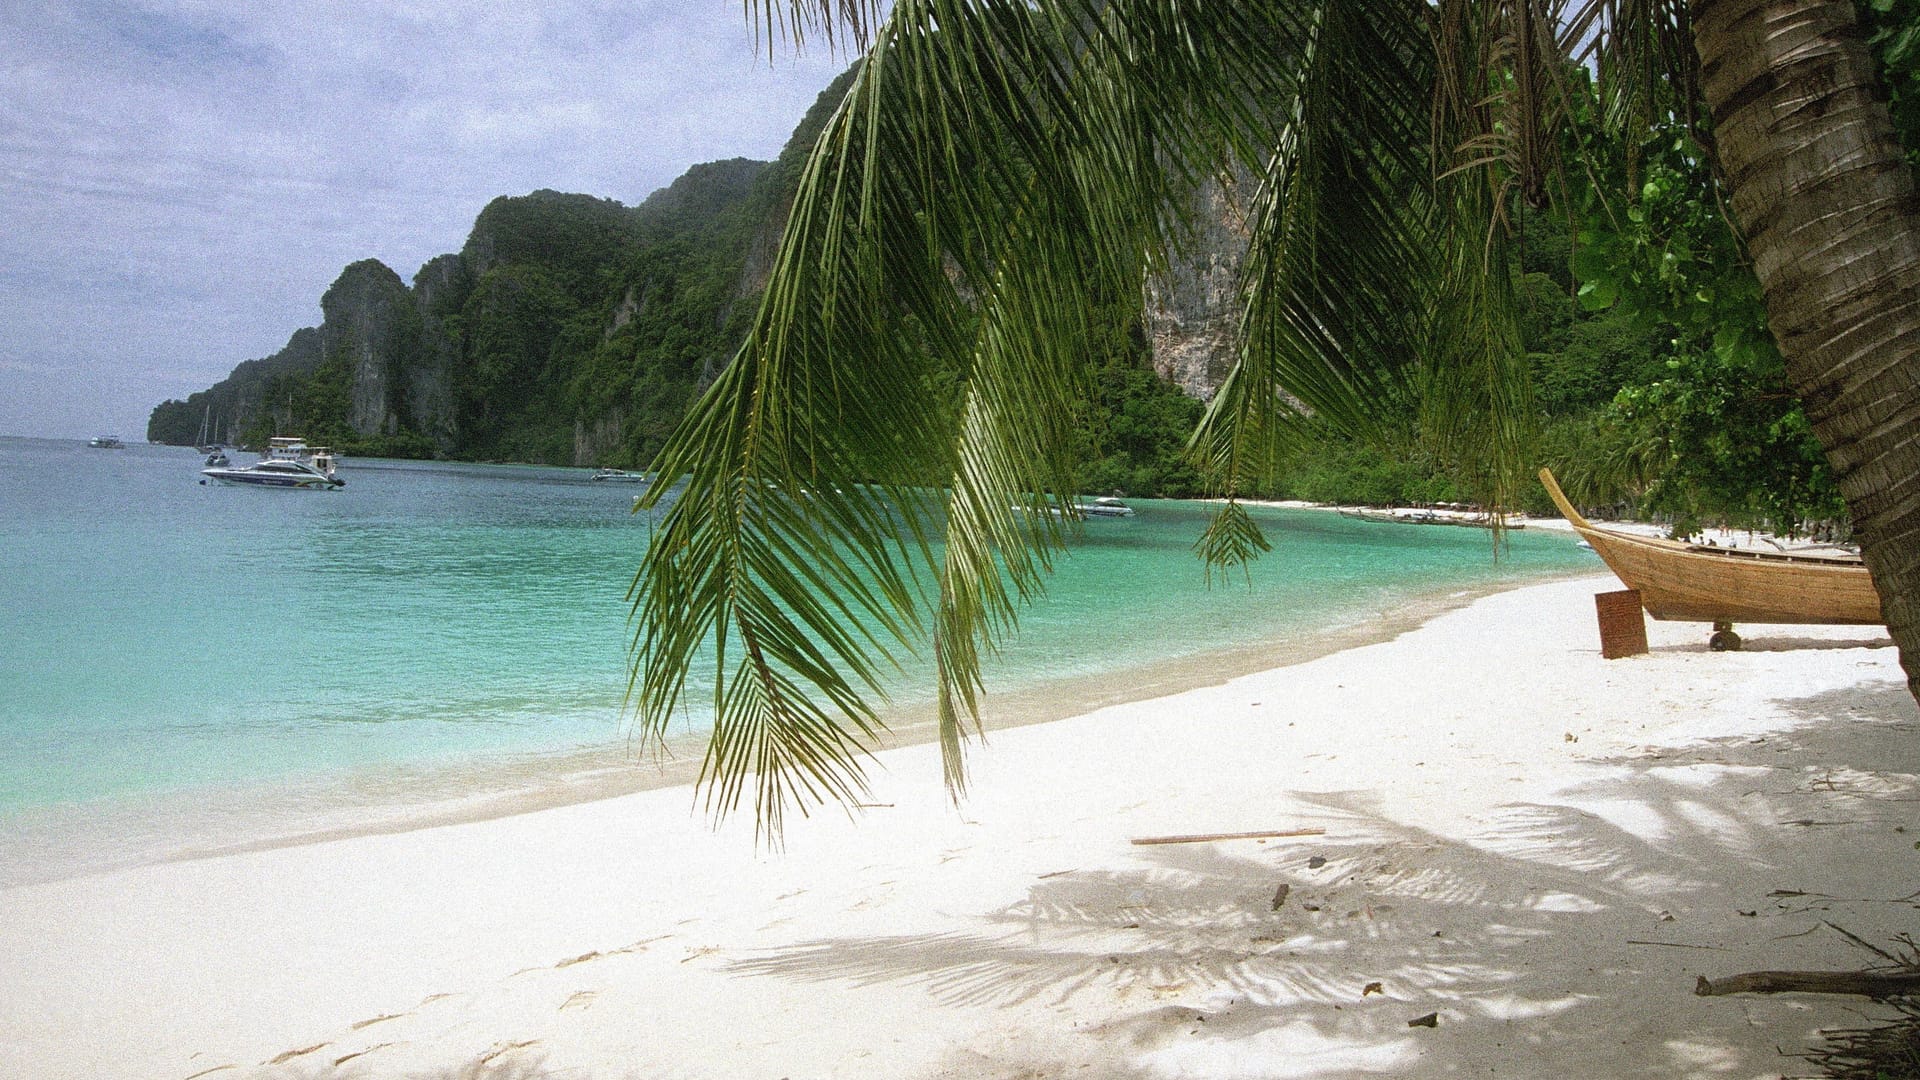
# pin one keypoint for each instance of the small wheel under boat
(1724, 639)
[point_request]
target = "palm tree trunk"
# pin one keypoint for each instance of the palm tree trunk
(1827, 205)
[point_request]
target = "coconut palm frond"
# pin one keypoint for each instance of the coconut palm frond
(1642, 52)
(848, 24)
(1496, 88)
(1156, 100)
(1503, 65)
(1371, 307)
(1338, 262)
(1009, 497)
(971, 228)
(1231, 541)
(882, 468)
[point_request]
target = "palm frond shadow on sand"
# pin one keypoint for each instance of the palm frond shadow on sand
(1567, 916)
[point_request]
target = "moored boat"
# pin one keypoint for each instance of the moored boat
(106, 442)
(295, 448)
(1698, 583)
(287, 462)
(619, 476)
(1418, 516)
(275, 473)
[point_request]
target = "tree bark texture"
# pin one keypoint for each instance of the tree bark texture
(1826, 203)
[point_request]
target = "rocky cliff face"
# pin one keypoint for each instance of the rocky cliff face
(246, 394)
(369, 323)
(594, 440)
(1192, 310)
(571, 328)
(438, 291)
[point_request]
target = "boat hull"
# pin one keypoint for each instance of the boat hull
(1689, 583)
(246, 478)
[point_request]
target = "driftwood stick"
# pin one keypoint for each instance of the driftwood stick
(1873, 984)
(1203, 837)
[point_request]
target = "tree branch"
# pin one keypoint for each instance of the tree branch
(1874, 984)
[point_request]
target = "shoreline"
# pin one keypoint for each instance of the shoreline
(64, 841)
(1538, 848)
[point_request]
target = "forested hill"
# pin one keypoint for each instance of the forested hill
(571, 329)
(568, 329)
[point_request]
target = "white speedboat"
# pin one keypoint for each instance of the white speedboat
(1103, 507)
(106, 442)
(275, 472)
(619, 476)
(287, 463)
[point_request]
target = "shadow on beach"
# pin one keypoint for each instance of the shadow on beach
(1557, 936)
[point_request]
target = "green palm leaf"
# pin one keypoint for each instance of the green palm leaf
(878, 469)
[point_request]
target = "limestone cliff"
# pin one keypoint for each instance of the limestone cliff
(438, 290)
(1192, 310)
(570, 329)
(369, 324)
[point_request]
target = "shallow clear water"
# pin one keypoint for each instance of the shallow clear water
(185, 660)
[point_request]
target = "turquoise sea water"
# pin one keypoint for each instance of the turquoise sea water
(188, 667)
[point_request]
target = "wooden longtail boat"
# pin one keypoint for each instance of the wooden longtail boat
(1695, 583)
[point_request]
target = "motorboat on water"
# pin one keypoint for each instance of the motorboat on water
(288, 462)
(106, 442)
(1104, 507)
(274, 472)
(217, 455)
(619, 476)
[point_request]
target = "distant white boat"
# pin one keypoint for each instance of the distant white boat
(106, 442)
(619, 476)
(1104, 507)
(295, 448)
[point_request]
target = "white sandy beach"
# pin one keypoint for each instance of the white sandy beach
(1539, 847)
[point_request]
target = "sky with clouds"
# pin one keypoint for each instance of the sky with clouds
(180, 181)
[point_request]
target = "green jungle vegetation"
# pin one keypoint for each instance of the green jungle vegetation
(1657, 388)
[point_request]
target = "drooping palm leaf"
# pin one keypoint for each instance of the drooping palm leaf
(878, 469)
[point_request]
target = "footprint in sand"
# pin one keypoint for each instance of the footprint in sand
(580, 1000)
(291, 1054)
(502, 1049)
(339, 1061)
